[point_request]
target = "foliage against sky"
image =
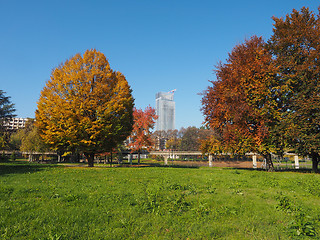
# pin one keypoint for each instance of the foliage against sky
(157, 45)
(85, 105)
(295, 46)
(235, 105)
(144, 121)
(7, 110)
(266, 97)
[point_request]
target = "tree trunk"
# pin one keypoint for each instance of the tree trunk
(269, 163)
(119, 157)
(139, 156)
(111, 158)
(315, 161)
(90, 158)
(75, 157)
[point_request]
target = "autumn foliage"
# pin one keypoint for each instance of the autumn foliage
(237, 105)
(143, 124)
(85, 106)
(295, 46)
(266, 96)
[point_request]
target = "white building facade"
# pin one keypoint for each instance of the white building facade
(165, 109)
(15, 123)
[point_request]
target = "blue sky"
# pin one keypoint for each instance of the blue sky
(159, 45)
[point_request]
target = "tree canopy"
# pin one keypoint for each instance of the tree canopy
(185, 139)
(239, 106)
(6, 107)
(266, 97)
(7, 110)
(295, 46)
(85, 106)
(141, 134)
(27, 139)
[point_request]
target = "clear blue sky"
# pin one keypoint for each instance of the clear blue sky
(159, 45)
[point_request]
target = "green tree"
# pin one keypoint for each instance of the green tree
(295, 46)
(28, 139)
(6, 113)
(86, 106)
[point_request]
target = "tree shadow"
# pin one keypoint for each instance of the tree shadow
(20, 167)
(300, 170)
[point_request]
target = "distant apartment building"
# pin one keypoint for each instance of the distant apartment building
(165, 109)
(15, 123)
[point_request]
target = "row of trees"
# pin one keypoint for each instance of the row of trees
(85, 107)
(26, 139)
(185, 139)
(266, 98)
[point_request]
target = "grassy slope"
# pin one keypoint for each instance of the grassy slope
(43, 202)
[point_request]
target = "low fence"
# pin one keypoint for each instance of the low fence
(230, 160)
(190, 158)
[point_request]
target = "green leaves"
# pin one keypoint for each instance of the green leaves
(267, 96)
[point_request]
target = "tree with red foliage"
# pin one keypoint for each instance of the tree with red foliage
(240, 106)
(141, 134)
(267, 96)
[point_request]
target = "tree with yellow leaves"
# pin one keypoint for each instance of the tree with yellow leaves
(85, 106)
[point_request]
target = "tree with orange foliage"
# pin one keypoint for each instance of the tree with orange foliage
(141, 134)
(240, 105)
(267, 96)
(85, 106)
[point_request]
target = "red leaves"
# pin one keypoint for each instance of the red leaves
(232, 105)
(143, 122)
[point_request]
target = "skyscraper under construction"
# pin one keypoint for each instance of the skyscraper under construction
(165, 109)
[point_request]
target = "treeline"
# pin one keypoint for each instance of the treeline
(266, 98)
(185, 139)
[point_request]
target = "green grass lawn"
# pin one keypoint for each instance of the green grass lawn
(56, 202)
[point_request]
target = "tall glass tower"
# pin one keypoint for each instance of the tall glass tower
(165, 109)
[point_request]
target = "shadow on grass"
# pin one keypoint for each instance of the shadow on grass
(21, 167)
(301, 170)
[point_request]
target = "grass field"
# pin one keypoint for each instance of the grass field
(58, 202)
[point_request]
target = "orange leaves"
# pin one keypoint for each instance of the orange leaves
(234, 104)
(143, 123)
(265, 95)
(85, 105)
